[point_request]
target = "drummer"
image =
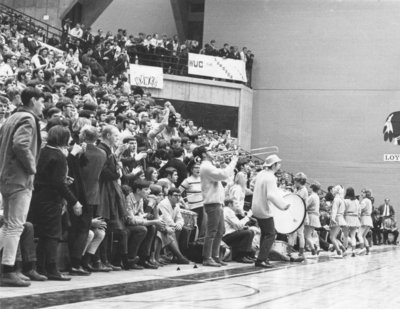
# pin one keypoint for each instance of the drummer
(264, 196)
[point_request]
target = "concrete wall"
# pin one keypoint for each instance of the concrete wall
(148, 16)
(212, 92)
(55, 9)
(326, 76)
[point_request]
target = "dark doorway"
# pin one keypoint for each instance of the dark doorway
(75, 14)
(208, 116)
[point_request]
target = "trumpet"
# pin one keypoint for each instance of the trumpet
(255, 152)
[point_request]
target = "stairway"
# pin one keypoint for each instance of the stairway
(31, 24)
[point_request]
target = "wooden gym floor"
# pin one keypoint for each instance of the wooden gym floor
(325, 282)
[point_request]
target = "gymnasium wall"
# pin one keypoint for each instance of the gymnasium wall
(326, 75)
(148, 16)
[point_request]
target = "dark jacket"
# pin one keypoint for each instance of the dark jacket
(19, 149)
(50, 190)
(112, 201)
(91, 170)
(382, 209)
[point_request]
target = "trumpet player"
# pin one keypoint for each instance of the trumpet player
(213, 196)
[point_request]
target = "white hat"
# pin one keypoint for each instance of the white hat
(271, 160)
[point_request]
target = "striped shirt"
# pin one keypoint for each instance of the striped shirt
(192, 186)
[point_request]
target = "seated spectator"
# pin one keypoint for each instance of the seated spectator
(171, 215)
(142, 225)
(389, 226)
(386, 210)
(237, 234)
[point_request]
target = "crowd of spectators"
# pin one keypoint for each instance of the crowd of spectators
(116, 178)
(107, 55)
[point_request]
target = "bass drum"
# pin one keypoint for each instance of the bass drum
(289, 221)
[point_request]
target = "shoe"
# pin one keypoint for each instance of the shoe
(136, 266)
(353, 255)
(22, 276)
(263, 264)
(155, 262)
(88, 267)
(367, 248)
(211, 262)
(296, 260)
(35, 276)
(163, 262)
(58, 277)
(12, 280)
(313, 252)
(182, 261)
(244, 260)
(78, 272)
(113, 267)
(362, 251)
(148, 265)
(250, 258)
(219, 261)
(100, 267)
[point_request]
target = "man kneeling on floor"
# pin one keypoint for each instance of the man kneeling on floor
(171, 215)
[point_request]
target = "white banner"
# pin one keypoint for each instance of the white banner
(217, 67)
(146, 76)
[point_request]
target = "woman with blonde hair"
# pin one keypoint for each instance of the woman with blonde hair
(351, 213)
(337, 219)
(237, 193)
(365, 220)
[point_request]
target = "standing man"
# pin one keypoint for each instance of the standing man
(214, 197)
(19, 153)
(265, 196)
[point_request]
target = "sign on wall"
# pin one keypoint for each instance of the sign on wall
(217, 67)
(146, 76)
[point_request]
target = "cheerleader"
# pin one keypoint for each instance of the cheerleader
(313, 219)
(337, 219)
(300, 180)
(366, 220)
(351, 213)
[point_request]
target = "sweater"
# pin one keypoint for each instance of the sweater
(265, 195)
(211, 177)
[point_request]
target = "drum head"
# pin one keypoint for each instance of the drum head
(288, 221)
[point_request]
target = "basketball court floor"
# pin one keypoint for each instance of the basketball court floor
(370, 281)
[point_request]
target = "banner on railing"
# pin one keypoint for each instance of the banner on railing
(146, 76)
(217, 67)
